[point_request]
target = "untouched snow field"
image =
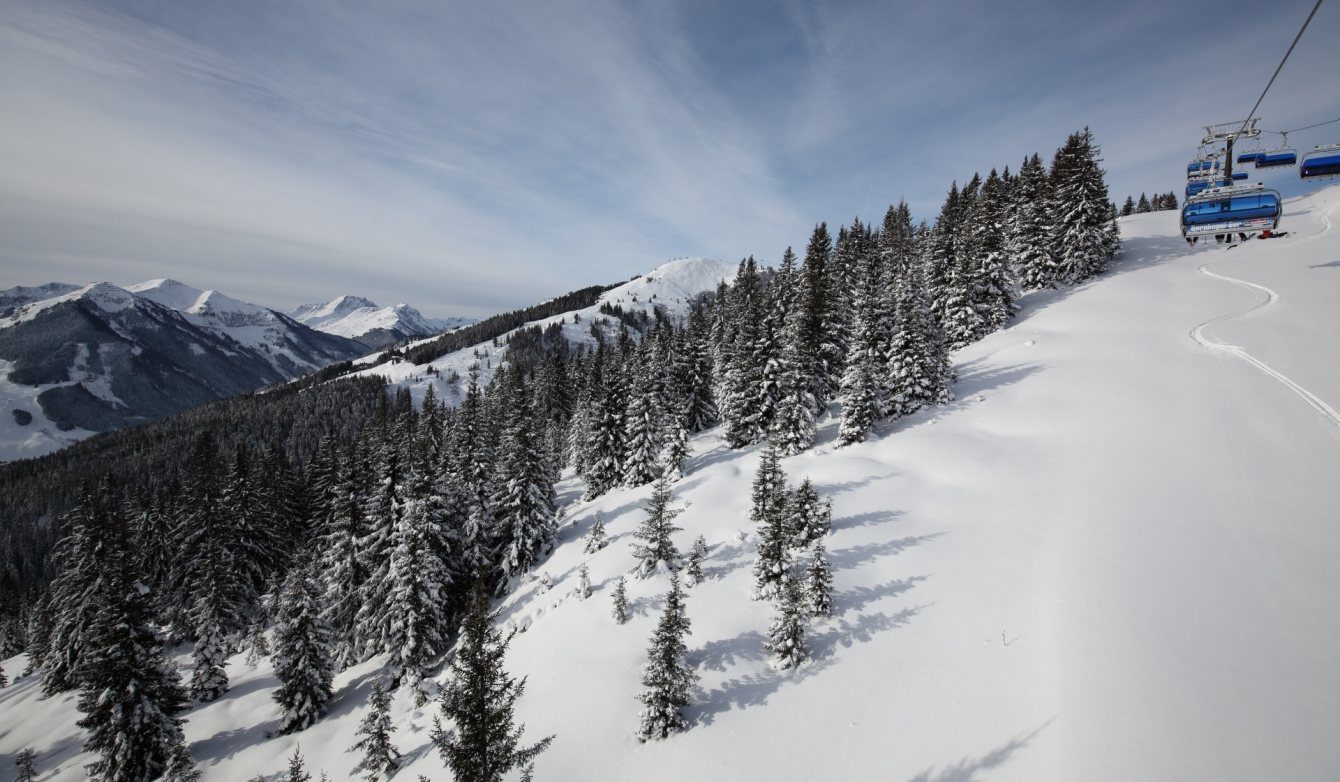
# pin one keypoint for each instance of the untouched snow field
(1113, 558)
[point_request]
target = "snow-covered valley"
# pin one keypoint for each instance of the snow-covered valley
(1107, 560)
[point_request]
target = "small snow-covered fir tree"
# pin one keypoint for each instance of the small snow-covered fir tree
(819, 582)
(297, 768)
(667, 680)
(479, 701)
(811, 517)
(619, 607)
(676, 448)
(655, 544)
(302, 659)
(258, 644)
(181, 766)
(25, 765)
(583, 582)
(786, 637)
(209, 678)
(595, 537)
(643, 423)
(380, 756)
(693, 571)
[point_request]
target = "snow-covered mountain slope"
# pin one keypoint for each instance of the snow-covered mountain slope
(291, 347)
(671, 288)
(1111, 559)
(376, 327)
(12, 298)
(102, 357)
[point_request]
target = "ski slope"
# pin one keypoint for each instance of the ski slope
(1111, 559)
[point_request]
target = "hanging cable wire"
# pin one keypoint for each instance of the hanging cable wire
(1281, 66)
(1308, 127)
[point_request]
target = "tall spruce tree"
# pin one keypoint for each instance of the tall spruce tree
(129, 695)
(302, 659)
(771, 515)
(1030, 245)
(479, 701)
(525, 502)
(667, 680)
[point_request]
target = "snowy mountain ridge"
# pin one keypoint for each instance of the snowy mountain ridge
(362, 319)
(670, 288)
(79, 360)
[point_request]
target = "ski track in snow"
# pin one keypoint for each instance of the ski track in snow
(1198, 334)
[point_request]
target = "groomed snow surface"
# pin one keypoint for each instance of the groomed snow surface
(1112, 559)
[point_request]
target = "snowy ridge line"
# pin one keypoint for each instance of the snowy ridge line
(1198, 335)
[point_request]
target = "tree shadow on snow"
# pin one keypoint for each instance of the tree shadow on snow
(975, 378)
(860, 597)
(852, 556)
(973, 769)
(868, 519)
(755, 688)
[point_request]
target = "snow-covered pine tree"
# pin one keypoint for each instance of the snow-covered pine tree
(213, 614)
(771, 515)
(181, 766)
(619, 602)
(695, 369)
(302, 660)
(655, 544)
(376, 549)
(258, 645)
(993, 281)
(676, 433)
(693, 571)
(605, 445)
(525, 503)
(811, 518)
(786, 637)
(813, 328)
(25, 765)
(380, 756)
(859, 395)
(743, 374)
(819, 581)
(130, 696)
(4, 680)
(62, 643)
(1030, 246)
(583, 582)
(479, 700)
(419, 609)
(342, 568)
(667, 680)
(297, 767)
(918, 365)
(897, 248)
(1082, 239)
(595, 537)
(643, 420)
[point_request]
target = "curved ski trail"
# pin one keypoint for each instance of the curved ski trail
(1198, 334)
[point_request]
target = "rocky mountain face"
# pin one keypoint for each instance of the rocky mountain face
(79, 360)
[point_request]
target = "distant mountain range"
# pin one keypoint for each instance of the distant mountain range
(79, 360)
(377, 327)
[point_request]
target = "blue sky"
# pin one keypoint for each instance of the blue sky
(472, 157)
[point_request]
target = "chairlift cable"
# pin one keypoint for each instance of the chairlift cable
(1306, 22)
